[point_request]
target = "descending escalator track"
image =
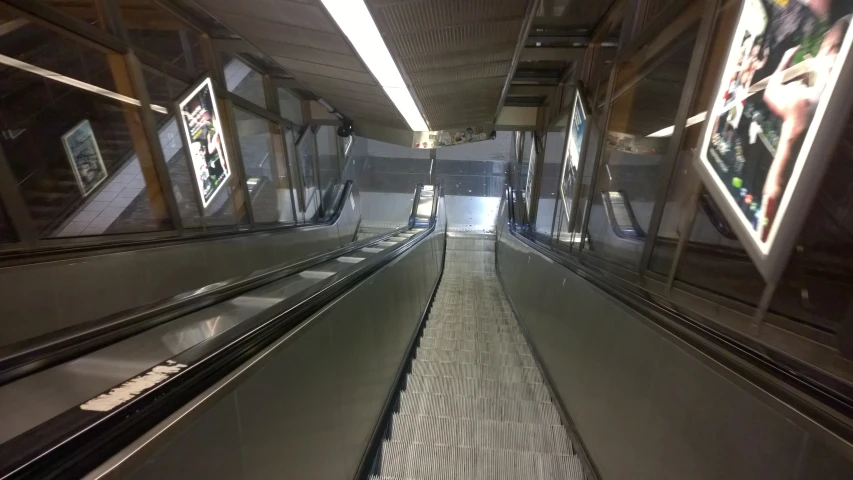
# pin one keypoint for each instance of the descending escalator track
(474, 404)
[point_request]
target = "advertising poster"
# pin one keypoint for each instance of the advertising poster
(759, 139)
(83, 153)
(200, 118)
(574, 144)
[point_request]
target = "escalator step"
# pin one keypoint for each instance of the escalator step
(461, 370)
(474, 346)
(479, 358)
(478, 388)
(487, 434)
(498, 410)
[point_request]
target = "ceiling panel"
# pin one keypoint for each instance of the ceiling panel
(302, 38)
(456, 53)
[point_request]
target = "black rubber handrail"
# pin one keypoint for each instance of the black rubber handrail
(74, 442)
(755, 362)
(54, 252)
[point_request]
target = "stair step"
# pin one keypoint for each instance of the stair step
(498, 410)
(474, 346)
(426, 368)
(417, 462)
(458, 432)
(441, 324)
(516, 338)
(478, 358)
(477, 388)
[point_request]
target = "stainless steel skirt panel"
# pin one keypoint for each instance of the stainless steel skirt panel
(305, 407)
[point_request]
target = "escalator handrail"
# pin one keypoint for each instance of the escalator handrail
(58, 252)
(77, 440)
(796, 383)
(33, 355)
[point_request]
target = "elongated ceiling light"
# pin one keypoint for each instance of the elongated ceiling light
(357, 24)
(668, 131)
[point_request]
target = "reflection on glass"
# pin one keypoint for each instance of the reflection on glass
(645, 100)
(290, 106)
(549, 186)
(308, 164)
(243, 80)
(7, 232)
(78, 154)
(158, 32)
(328, 162)
(266, 175)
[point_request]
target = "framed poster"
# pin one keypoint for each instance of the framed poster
(572, 155)
(83, 154)
(531, 172)
(203, 130)
(774, 120)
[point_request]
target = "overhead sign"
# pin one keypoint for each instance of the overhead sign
(455, 136)
(83, 153)
(202, 127)
(775, 118)
(571, 160)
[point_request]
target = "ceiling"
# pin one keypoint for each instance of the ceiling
(456, 54)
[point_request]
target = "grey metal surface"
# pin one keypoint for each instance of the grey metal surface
(474, 404)
(34, 399)
(306, 406)
(646, 404)
(39, 298)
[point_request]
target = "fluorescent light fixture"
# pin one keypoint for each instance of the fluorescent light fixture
(75, 83)
(667, 132)
(355, 21)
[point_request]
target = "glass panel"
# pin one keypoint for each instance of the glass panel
(158, 32)
(290, 106)
(328, 161)
(549, 187)
(7, 231)
(266, 174)
(477, 169)
(79, 156)
(646, 97)
(307, 163)
(243, 80)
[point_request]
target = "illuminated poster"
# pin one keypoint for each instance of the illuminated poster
(766, 136)
(574, 144)
(83, 153)
(204, 135)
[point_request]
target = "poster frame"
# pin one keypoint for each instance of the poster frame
(70, 157)
(580, 98)
(771, 257)
(535, 152)
(182, 101)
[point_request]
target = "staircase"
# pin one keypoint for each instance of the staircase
(474, 404)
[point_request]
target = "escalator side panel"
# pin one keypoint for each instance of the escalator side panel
(307, 406)
(645, 404)
(40, 298)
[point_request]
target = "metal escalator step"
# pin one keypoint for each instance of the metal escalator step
(497, 410)
(478, 388)
(438, 323)
(457, 432)
(479, 358)
(427, 368)
(474, 346)
(515, 338)
(438, 462)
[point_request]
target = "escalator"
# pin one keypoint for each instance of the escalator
(474, 404)
(395, 357)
